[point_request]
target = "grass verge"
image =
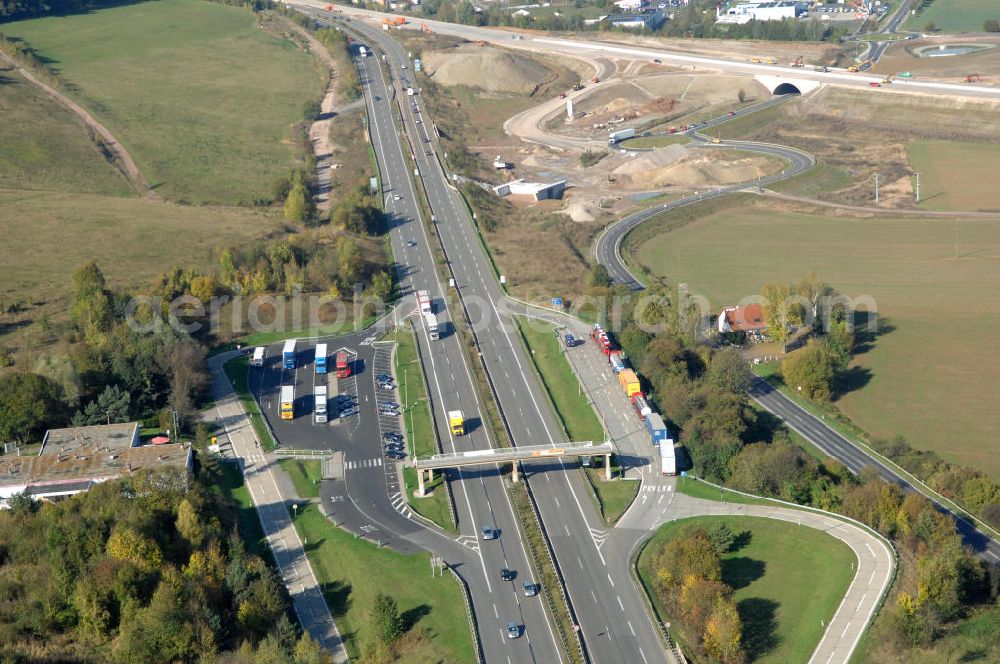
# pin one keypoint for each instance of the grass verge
(419, 432)
(787, 582)
(237, 371)
(305, 476)
(351, 571)
(574, 411)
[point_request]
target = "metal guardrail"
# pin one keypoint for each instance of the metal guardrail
(311, 454)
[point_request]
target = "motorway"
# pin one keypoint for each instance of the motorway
(596, 49)
(614, 624)
(367, 499)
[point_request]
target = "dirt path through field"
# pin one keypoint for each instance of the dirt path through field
(123, 160)
(319, 131)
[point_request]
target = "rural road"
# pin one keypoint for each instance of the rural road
(272, 508)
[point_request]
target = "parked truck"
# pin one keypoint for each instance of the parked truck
(319, 395)
(668, 460)
(343, 365)
(629, 382)
(287, 402)
(616, 361)
(620, 135)
(656, 428)
(457, 422)
(321, 358)
(424, 302)
(288, 354)
(258, 357)
(430, 321)
(363, 51)
(641, 406)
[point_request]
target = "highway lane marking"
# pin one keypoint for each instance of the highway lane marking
(643, 655)
(842, 634)
(993, 555)
(579, 562)
(495, 612)
(594, 596)
(621, 606)
(611, 581)
(630, 628)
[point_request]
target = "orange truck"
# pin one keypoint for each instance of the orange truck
(629, 382)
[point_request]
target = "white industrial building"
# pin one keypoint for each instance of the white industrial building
(539, 190)
(630, 5)
(75, 459)
(766, 10)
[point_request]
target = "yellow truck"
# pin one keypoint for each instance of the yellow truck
(457, 422)
(287, 402)
(629, 382)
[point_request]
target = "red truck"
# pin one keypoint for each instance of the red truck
(343, 366)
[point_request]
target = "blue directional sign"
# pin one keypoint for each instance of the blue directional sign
(557, 302)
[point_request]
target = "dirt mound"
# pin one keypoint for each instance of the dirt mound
(487, 68)
(581, 212)
(680, 167)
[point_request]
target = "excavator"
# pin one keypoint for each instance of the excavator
(888, 79)
(426, 29)
(972, 78)
(797, 62)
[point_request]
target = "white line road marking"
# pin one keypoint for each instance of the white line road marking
(631, 629)
(611, 581)
(845, 630)
(495, 612)
(620, 605)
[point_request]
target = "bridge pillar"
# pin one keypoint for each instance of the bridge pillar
(420, 482)
(514, 473)
(607, 466)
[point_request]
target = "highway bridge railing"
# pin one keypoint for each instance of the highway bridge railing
(509, 454)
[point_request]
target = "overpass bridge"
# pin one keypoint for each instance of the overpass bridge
(510, 455)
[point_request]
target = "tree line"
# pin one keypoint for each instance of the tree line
(109, 372)
(703, 394)
(696, 19)
(146, 569)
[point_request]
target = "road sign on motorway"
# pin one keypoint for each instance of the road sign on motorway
(557, 302)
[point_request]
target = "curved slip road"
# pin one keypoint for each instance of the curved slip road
(873, 574)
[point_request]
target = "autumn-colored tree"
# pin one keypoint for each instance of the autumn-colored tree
(782, 309)
(697, 600)
(129, 546)
(724, 632)
(810, 370)
(189, 525)
(693, 554)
